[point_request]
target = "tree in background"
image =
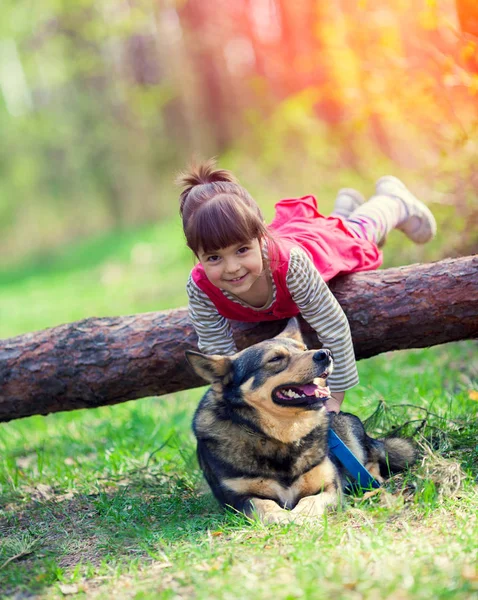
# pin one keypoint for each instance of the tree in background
(101, 101)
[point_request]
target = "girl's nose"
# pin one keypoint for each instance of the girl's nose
(232, 266)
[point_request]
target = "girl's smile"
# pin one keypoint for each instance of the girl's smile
(237, 280)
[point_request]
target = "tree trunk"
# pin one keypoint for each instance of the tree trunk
(105, 361)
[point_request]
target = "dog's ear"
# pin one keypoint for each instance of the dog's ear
(209, 367)
(292, 330)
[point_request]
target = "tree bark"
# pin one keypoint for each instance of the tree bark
(96, 362)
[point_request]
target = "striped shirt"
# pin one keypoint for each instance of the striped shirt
(316, 303)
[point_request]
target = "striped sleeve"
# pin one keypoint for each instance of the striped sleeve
(213, 330)
(321, 310)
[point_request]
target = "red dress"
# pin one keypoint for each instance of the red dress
(326, 240)
(330, 245)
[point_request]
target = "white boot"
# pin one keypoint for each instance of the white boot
(346, 202)
(419, 224)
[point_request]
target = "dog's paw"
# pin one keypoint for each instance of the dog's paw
(309, 507)
(374, 469)
(278, 517)
(269, 512)
(313, 507)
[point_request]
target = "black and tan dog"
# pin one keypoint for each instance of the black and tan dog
(262, 431)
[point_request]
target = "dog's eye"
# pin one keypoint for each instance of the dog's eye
(275, 359)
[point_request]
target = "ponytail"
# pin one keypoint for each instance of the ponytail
(215, 209)
(201, 173)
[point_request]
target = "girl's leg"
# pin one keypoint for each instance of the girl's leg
(394, 206)
(346, 202)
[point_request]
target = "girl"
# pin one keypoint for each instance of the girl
(250, 271)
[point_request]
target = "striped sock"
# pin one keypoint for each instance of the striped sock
(374, 220)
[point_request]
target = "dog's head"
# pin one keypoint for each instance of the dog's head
(279, 378)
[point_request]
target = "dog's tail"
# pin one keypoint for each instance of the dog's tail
(399, 453)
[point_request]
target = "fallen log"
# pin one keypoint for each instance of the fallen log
(101, 361)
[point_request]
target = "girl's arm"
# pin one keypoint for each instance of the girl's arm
(321, 310)
(213, 330)
(334, 403)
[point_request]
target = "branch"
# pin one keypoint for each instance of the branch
(98, 362)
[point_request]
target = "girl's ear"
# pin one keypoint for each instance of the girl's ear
(292, 330)
(211, 368)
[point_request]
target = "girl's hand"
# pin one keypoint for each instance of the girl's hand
(334, 402)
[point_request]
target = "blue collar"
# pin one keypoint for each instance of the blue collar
(351, 463)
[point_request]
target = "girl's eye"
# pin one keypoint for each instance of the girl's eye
(243, 250)
(213, 258)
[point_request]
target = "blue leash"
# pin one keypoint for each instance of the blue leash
(351, 463)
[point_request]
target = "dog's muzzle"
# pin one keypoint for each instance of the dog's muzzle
(310, 394)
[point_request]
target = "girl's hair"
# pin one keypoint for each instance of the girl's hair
(216, 211)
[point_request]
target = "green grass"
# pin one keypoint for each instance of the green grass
(115, 275)
(110, 502)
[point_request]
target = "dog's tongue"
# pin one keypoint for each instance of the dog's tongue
(311, 389)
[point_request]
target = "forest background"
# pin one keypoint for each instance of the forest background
(102, 102)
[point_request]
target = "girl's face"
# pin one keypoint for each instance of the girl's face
(234, 268)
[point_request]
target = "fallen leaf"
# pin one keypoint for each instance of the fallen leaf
(160, 566)
(45, 491)
(372, 493)
(67, 589)
(350, 585)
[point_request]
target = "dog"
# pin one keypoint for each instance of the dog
(262, 431)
